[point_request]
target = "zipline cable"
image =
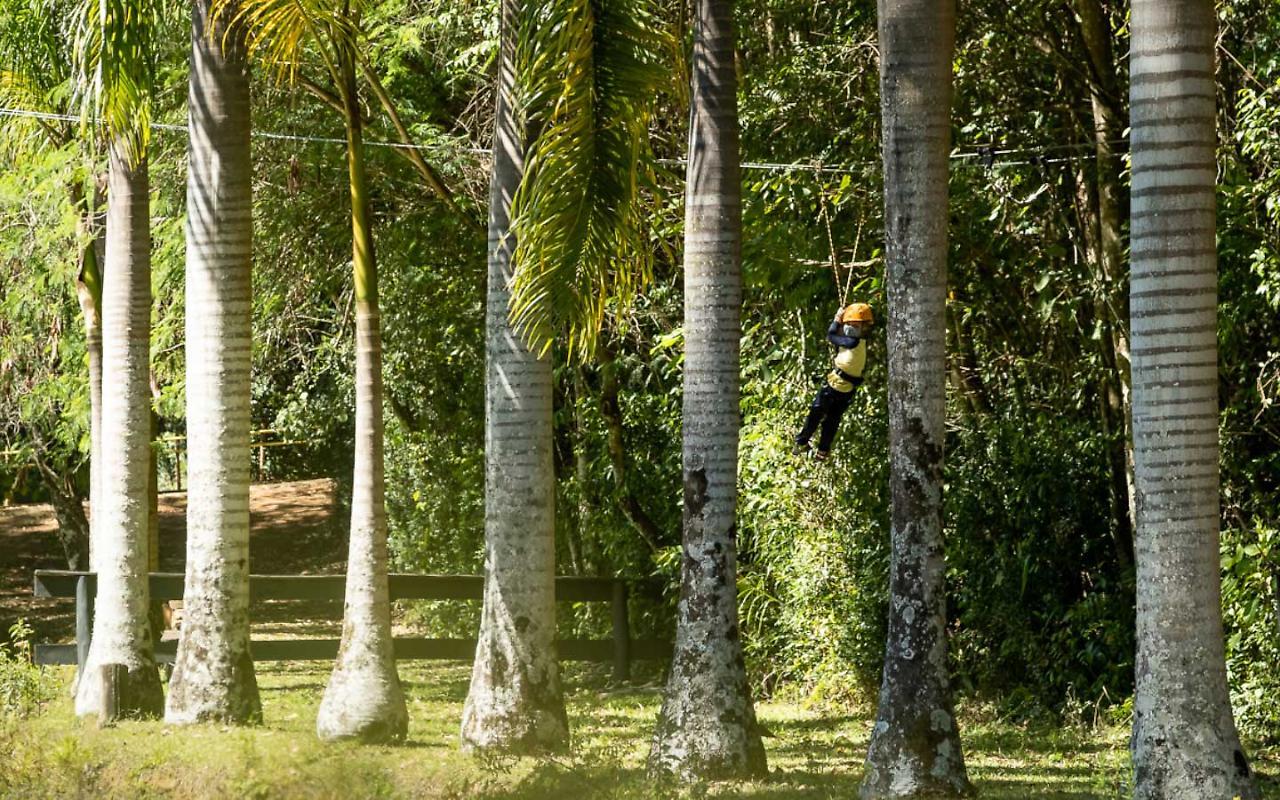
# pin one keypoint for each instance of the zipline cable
(988, 155)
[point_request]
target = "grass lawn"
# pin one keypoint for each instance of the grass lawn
(812, 753)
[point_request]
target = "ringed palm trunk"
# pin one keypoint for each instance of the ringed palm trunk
(1184, 741)
(915, 744)
(121, 629)
(707, 726)
(364, 699)
(515, 703)
(213, 677)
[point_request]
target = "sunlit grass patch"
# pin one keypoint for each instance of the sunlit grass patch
(813, 752)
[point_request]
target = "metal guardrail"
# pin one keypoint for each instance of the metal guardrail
(620, 648)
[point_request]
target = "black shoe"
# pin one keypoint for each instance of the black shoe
(799, 448)
(822, 455)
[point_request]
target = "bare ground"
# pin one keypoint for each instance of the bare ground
(294, 531)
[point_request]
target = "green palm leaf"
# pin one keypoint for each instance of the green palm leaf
(588, 74)
(279, 32)
(34, 74)
(116, 64)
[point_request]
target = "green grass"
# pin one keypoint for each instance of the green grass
(812, 753)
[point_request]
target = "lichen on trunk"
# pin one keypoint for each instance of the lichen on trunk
(121, 629)
(915, 743)
(1185, 742)
(213, 677)
(707, 727)
(515, 702)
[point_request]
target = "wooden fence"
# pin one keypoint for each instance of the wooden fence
(620, 648)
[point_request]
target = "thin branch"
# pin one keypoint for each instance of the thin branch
(322, 94)
(412, 155)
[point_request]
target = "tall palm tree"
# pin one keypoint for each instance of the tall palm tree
(915, 744)
(515, 701)
(116, 52)
(1184, 737)
(587, 77)
(707, 727)
(363, 699)
(213, 678)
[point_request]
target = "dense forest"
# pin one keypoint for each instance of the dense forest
(1038, 504)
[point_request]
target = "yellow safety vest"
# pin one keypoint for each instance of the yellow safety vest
(851, 361)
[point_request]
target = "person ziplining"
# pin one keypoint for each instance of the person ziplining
(847, 332)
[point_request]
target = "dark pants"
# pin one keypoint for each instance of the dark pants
(827, 409)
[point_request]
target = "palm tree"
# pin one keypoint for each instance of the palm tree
(213, 677)
(363, 699)
(915, 744)
(565, 238)
(1184, 737)
(515, 701)
(116, 50)
(707, 727)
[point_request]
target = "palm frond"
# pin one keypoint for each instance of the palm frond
(278, 32)
(34, 71)
(588, 73)
(116, 64)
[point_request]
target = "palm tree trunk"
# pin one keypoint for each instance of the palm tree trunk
(1184, 737)
(364, 699)
(213, 677)
(707, 727)
(121, 630)
(915, 745)
(515, 703)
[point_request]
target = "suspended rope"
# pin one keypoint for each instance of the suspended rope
(987, 156)
(842, 288)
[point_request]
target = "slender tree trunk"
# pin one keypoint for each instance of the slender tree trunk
(707, 727)
(915, 744)
(1108, 128)
(364, 699)
(611, 411)
(213, 677)
(584, 564)
(121, 630)
(89, 295)
(1184, 742)
(68, 508)
(515, 702)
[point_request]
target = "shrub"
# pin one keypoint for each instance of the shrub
(24, 687)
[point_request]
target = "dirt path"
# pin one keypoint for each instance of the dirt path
(293, 531)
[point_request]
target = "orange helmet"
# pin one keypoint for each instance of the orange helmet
(857, 312)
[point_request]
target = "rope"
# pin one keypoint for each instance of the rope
(825, 214)
(831, 242)
(989, 156)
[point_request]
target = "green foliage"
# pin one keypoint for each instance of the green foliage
(116, 52)
(1043, 611)
(44, 403)
(24, 688)
(588, 74)
(1251, 612)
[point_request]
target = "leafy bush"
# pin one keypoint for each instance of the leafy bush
(24, 687)
(1251, 613)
